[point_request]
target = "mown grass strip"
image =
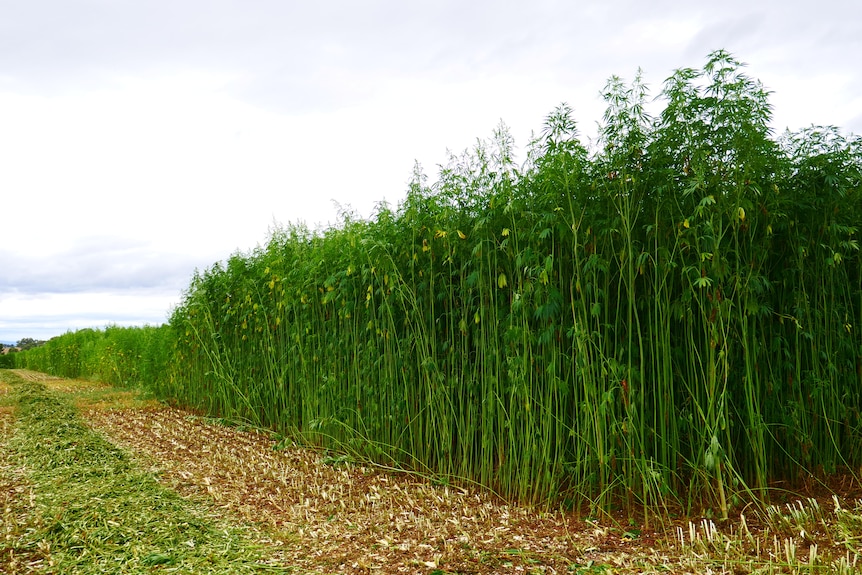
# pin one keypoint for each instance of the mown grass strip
(96, 512)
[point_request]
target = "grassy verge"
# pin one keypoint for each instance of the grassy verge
(74, 503)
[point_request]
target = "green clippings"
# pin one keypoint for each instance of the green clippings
(96, 511)
(157, 559)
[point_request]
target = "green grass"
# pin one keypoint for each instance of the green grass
(94, 511)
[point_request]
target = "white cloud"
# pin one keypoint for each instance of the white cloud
(44, 316)
(178, 132)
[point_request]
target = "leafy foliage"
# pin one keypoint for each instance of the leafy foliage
(123, 356)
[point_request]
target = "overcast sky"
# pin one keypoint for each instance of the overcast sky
(141, 139)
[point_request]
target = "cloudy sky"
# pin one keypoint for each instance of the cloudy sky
(142, 139)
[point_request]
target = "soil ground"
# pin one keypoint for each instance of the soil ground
(319, 514)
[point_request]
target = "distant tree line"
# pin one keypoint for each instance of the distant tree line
(28, 343)
(23, 344)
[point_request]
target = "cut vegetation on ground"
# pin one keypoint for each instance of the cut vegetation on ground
(78, 504)
(85, 499)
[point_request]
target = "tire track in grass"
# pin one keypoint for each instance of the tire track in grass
(94, 511)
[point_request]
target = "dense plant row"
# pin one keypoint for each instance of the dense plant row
(673, 310)
(122, 356)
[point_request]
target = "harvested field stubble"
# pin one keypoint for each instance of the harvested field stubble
(337, 517)
(325, 515)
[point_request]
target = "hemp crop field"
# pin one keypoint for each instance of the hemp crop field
(665, 322)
